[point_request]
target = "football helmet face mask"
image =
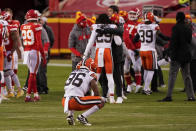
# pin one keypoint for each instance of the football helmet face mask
(89, 63)
(134, 14)
(149, 16)
(31, 15)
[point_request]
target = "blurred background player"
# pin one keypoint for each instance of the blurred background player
(147, 33)
(11, 44)
(31, 35)
(130, 30)
(103, 57)
(3, 35)
(78, 39)
(80, 81)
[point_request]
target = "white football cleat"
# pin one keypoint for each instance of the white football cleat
(137, 88)
(112, 101)
(129, 89)
(119, 100)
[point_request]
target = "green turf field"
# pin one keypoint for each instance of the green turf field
(138, 113)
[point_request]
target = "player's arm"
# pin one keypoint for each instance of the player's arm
(90, 43)
(94, 87)
(16, 42)
(72, 43)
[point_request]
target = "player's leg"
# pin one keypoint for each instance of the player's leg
(138, 76)
(33, 65)
(109, 73)
(127, 74)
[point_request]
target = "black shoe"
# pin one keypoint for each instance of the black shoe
(146, 92)
(70, 120)
(191, 99)
(83, 120)
(166, 99)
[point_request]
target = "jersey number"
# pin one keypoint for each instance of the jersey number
(104, 38)
(146, 36)
(75, 79)
(28, 37)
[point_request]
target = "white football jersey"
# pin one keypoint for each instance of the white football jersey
(102, 40)
(78, 82)
(147, 34)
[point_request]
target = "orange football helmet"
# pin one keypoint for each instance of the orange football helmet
(149, 16)
(89, 63)
(188, 17)
(115, 18)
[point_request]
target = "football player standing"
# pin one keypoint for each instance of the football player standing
(31, 35)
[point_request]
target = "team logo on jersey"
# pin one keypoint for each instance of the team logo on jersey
(122, 3)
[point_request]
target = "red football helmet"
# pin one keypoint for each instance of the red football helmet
(149, 16)
(134, 14)
(89, 63)
(5, 15)
(31, 15)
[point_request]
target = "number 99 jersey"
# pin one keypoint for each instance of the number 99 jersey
(29, 35)
(78, 82)
(147, 34)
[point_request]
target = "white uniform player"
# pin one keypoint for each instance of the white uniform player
(103, 57)
(147, 33)
(77, 85)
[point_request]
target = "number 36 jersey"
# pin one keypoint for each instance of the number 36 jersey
(147, 34)
(31, 32)
(78, 82)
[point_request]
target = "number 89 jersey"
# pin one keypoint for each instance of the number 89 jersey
(29, 35)
(147, 34)
(78, 82)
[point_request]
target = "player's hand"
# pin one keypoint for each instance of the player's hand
(44, 62)
(9, 57)
(136, 53)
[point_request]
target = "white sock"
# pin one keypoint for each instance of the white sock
(70, 113)
(2, 77)
(110, 83)
(90, 111)
(148, 80)
(16, 80)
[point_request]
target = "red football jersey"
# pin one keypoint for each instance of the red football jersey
(15, 23)
(8, 42)
(31, 35)
(130, 29)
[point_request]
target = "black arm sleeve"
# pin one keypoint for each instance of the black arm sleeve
(136, 38)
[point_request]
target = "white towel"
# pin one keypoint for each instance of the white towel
(66, 104)
(100, 57)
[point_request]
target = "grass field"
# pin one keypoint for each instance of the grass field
(138, 113)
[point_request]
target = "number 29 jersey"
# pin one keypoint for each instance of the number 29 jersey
(78, 82)
(147, 34)
(30, 33)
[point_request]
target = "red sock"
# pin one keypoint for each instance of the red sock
(138, 78)
(32, 85)
(128, 79)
